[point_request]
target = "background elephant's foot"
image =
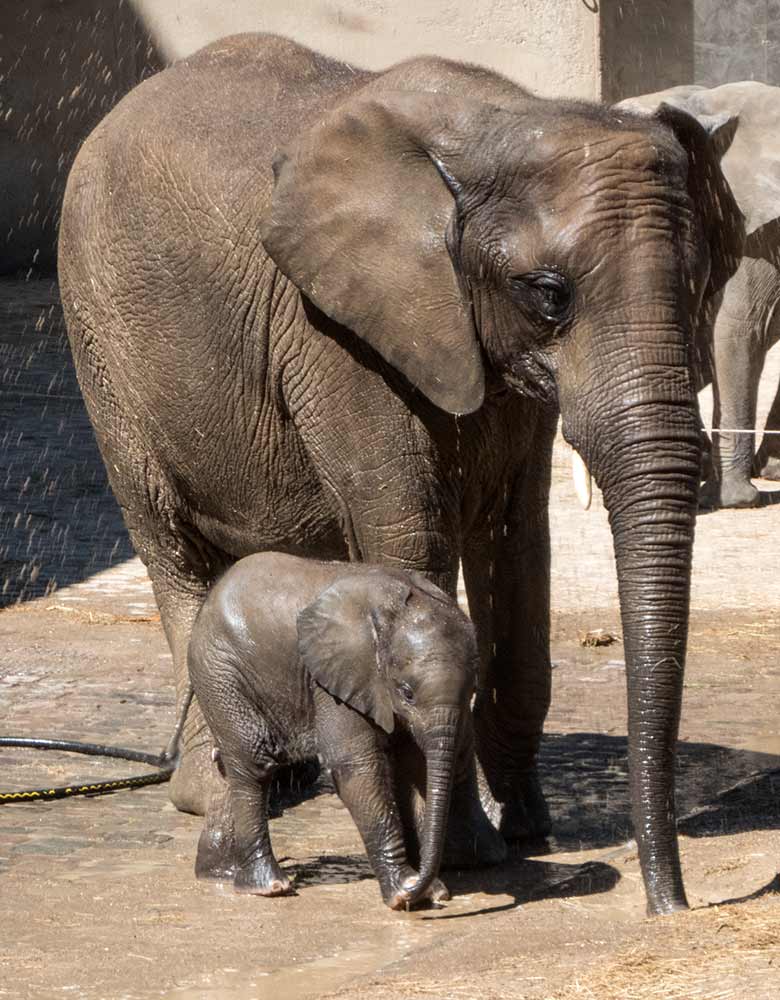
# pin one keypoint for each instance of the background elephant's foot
(471, 841)
(262, 876)
(731, 491)
(194, 781)
(524, 815)
(767, 466)
(216, 858)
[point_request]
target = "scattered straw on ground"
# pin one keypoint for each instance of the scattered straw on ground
(102, 617)
(716, 953)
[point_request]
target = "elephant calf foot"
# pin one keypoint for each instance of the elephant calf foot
(262, 877)
(395, 896)
(728, 492)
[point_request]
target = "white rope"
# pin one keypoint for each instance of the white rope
(736, 430)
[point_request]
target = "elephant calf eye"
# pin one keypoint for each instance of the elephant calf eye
(406, 693)
(551, 293)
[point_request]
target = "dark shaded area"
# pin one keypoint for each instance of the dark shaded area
(63, 66)
(719, 790)
(59, 522)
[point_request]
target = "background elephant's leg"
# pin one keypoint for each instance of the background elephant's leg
(767, 461)
(506, 567)
(738, 357)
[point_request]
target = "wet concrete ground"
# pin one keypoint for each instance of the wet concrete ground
(97, 896)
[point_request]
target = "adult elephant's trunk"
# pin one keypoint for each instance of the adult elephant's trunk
(648, 466)
(440, 745)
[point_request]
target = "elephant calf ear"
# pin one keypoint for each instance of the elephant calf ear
(337, 641)
(358, 221)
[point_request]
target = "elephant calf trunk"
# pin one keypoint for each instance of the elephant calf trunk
(440, 762)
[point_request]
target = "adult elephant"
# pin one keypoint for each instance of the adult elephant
(364, 355)
(739, 330)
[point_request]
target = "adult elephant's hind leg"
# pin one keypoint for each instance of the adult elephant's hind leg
(506, 566)
(180, 585)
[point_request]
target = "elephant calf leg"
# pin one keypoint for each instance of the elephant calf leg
(367, 794)
(236, 842)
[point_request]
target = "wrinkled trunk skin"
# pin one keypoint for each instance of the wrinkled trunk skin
(650, 487)
(440, 746)
(634, 419)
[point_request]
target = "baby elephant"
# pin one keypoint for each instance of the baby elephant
(370, 669)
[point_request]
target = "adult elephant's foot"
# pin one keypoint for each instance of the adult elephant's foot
(472, 841)
(523, 815)
(194, 781)
(728, 492)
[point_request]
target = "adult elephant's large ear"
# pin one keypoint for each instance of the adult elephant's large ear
(706, 138)
(340, 640)
(358, 221)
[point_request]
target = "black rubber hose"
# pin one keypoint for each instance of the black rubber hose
(165, 763)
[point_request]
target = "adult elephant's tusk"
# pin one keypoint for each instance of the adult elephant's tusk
(582, 479)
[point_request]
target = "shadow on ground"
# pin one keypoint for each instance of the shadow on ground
(719, 790)
(59, 522)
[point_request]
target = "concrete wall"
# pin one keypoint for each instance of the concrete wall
(549, 45)
(64, 63)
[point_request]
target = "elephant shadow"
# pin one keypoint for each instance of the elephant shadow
(720, 790)
(59, 521)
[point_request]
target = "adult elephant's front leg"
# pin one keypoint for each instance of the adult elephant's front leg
(506, 566)
(426, 543)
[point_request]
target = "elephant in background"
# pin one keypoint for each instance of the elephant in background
(331, 312)
(738, 331)
(362, 666)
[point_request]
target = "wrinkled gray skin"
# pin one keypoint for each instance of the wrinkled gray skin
(733, 341)
(275, 361)
(358, 665)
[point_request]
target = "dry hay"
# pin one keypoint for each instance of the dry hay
(85, 617)
(718, 953)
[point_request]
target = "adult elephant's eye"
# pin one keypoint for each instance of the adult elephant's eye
(551, 292)
(406, 693)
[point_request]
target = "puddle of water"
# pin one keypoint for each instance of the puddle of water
(391, 944)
